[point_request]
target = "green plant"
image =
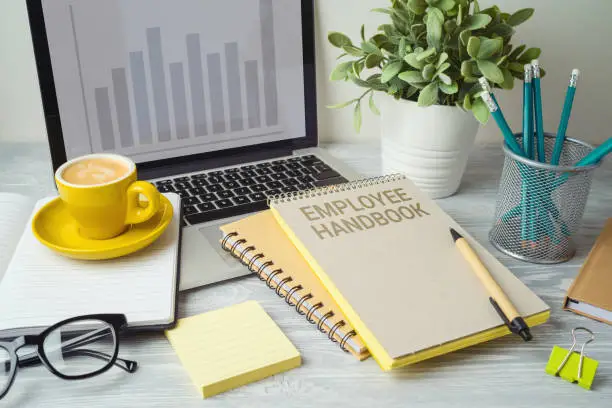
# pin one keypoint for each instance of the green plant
(433, 52)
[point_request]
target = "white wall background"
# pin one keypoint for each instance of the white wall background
(571, 34)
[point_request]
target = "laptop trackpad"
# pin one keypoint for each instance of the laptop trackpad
(212, 233)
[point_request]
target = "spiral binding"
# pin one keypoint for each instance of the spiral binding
(323, 191)
(291, 292)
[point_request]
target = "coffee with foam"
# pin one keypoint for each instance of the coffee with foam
(95, 171)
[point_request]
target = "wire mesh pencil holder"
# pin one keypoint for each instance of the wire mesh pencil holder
(540, 206)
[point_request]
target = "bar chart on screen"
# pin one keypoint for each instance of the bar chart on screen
(160, 75)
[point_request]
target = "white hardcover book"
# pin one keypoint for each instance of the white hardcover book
(41, 287)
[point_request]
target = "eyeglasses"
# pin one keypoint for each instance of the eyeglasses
(73, 349)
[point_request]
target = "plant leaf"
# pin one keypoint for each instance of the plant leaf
(373, 106)
(409, 92)
(370, 48)
(467, 68)
(503, 30)
(434, 12)
(441, 59)
(460, 15)
(490, 71)
(401, 49)
(373, 60)
(467, 102)
(476, 21)
(428, 95)
(363, 32)
(341, 105)
(411, 77)
(427, 53)
(371, 83)
(352, 50)
(508, 79)
(501, 60)
(451, 89)
(382, 10)
(446, 80)
(446, 4)
(435, 19)
(357, 67)
(515, 52)
(411, 59)
(516, 67)
(529, 55)
(341, 71)
(428, 72)
(390, 71)
(418, 7)
(357, 117)
(450, 26)
(443, 67)
(480, 111)
(489, 47)
(476, 7)
(520, 16)
(379, 39)
(464, 37)
(473, 46)
(338, 39)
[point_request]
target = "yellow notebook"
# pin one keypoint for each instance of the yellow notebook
(382, 248)
(231, 347)
(262, 246)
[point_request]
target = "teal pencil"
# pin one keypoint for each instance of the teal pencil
(597, 154)
(592, 158)
(528, 112)
(498, 116)
(565, 116)
(484, 84)
(537, 100)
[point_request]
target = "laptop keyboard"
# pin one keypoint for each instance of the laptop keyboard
(235, 191)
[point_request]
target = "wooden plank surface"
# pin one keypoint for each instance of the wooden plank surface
(505, 372)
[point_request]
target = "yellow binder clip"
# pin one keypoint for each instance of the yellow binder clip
(571, 366)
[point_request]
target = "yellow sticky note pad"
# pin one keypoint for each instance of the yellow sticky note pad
(230, 347)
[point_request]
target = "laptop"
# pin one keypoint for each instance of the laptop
(214, 100)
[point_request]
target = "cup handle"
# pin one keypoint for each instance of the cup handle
(136, 213)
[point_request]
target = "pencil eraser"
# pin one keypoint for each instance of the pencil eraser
(575, 72)
(535, 62)
(527, 67)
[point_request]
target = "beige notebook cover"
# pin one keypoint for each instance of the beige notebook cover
(383, 250)
(260, 243)
(590, 294)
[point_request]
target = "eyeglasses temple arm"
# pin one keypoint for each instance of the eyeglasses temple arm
(127, 365)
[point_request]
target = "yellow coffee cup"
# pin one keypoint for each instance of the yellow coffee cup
(101, 193)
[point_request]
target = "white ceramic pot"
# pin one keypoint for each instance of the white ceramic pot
(429, 145)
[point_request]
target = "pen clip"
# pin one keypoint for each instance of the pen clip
(500, 312)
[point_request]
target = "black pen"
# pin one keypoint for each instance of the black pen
(497, 297)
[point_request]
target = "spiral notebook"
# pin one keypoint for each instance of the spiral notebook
(382, 249)
(262, 246)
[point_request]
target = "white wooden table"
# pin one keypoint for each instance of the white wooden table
(505, 372)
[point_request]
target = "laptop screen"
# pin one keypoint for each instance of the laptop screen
(157, 79)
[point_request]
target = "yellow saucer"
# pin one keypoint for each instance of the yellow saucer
(55, 228)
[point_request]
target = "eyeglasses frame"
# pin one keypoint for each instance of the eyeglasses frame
(116, 322)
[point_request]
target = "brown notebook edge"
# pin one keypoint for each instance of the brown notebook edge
(581, 276)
